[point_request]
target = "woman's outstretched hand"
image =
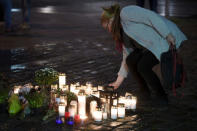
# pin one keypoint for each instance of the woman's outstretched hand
(118, 82)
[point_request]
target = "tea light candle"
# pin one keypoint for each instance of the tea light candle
(62, 80)
(98, 114)
(61, 109)
(114, 112)
(82, 104)
(93, 105)
(121, 110)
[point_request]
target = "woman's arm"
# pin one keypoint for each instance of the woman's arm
(123, 72)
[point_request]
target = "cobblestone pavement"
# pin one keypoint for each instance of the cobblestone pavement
(68, 37)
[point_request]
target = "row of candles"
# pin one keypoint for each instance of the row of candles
(117, 109)
(112, 106)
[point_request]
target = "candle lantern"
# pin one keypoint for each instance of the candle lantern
(121, 110)
(98, 114)
(82, 104)
(93, 105)
(62, 80)
(61, 109)
(114, 112)
(133, 102)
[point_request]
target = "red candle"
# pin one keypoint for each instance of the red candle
(67, 115)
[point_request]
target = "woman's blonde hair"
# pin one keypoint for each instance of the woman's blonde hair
(113, 12)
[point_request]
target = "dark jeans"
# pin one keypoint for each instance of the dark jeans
(140, 64)
(7, 5)
(26, 9)
(153, 4)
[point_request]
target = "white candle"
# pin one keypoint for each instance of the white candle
(72, 88)
(72, 111)
(115, 102)
(98, 115)
(104, 115)
(128, 102)
(93, 105)
(133, 102)
(61, 109)
(62, 80)
(88, 88)
(114, 112)
(74, 104)
(63, 99)
(54, 87)
(57, 99)
(121, 110)
(100, 88)
(122, 100)
(16, 89)
(82, 104)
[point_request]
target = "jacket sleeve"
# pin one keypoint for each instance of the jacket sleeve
(143, 16)
(123, 68)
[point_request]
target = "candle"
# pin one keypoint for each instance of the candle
(104, 115)
(128, 102)
(94, 88)
(93, 105)
(62, 80)
(67, 115)
(54, 87)
(63, 98)
(122, 99)
(133, 102)
(82, 104)
(72, 111)
(115, 102)
(16, 89)
(98, 114)
(72, 88)
(65, 88)
(114, 112)
(121, 110)
(100, 88)
(61, 109)
(88, 88)
(74, 104)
